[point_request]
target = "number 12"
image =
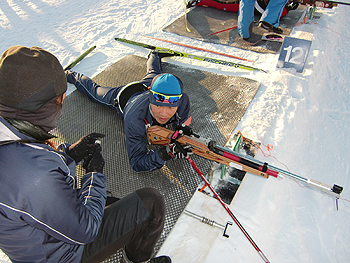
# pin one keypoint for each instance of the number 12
(298, 55)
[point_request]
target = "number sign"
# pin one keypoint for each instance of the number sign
(293, 53)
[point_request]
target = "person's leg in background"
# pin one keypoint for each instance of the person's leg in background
(93, 91)
(154, 66)
(272, 15)
(245, 18)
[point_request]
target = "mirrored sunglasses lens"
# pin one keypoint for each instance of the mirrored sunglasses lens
(159, 97)
(173, 99)
(162, 98)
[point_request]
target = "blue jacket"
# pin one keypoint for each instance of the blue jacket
(136, 111)
(43, 216)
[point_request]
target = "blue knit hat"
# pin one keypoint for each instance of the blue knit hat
(168, 85)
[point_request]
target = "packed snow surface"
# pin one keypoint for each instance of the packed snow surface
(304, 116)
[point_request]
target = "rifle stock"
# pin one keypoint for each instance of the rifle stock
(162, 136)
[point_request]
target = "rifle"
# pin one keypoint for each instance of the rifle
(209, 150)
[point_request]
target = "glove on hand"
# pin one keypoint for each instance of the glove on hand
(85, 146)
(94, 163)
(175, 151)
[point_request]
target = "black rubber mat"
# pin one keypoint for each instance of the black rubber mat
(203, 21)
(218, 102)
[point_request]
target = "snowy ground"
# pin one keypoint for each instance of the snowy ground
(306, 117)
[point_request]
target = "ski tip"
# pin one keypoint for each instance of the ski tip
(91, 49)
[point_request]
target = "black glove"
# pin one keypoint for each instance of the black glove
(85, 146)
(175, 151)
(94, 162)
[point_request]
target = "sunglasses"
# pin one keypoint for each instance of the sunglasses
(166, 99)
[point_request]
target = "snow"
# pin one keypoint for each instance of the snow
(305, 116)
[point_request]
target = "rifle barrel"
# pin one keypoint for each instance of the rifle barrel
(334, 190)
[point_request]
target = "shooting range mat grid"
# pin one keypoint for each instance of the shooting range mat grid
(218, 102)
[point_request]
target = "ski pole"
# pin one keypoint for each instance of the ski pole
(78, 59)
(229, 211)
(230, 28)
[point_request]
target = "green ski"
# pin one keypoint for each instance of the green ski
(76, 61)
(187, 55)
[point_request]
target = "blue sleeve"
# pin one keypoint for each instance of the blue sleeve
(70, 215)
(141, 159)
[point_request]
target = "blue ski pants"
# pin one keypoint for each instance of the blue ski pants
(271, 15)
(106, 95)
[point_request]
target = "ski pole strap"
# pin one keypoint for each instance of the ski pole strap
(146, 124)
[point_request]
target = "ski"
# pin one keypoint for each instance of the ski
(187, 55)
(78, 59)
(200, 49)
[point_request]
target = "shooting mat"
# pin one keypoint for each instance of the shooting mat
(202, 21)
(218, 102)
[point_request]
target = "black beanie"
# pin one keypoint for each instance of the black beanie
(30, 77)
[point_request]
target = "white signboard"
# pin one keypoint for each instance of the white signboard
(293, 53)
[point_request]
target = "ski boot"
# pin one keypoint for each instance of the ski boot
(161, 259)
(191, 3)
(162, 54)
(270, 28)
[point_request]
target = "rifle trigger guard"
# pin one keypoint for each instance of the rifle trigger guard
(211, 145)
(264, 168)
(177, 134)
